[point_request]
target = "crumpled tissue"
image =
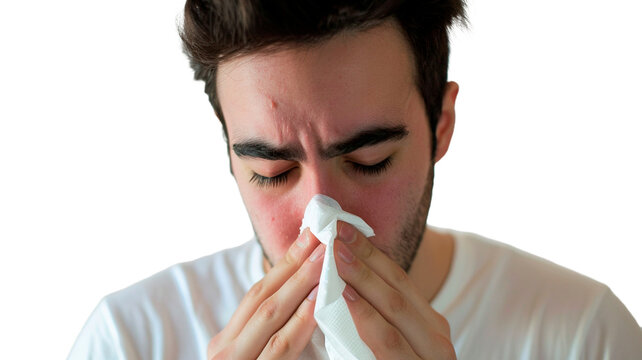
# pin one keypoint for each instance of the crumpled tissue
(342, 341)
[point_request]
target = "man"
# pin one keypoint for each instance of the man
(349, 100)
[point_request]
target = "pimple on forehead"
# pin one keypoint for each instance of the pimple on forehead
(272, 104)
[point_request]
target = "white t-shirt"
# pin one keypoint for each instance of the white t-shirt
(501, 303)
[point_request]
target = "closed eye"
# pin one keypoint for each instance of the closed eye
(282, 178)
(267, 181)
(372, 170)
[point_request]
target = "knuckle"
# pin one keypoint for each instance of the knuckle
(397, 303)
(366, 311)
(268, 310)
(278, 345)
(392, 339)
(299, 317)
(363, 273)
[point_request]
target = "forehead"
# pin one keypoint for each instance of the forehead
(353, 79)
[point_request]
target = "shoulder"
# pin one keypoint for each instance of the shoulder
(512, 271)
(537, 307)
(216, 279)
(234, 266)
(175, 310)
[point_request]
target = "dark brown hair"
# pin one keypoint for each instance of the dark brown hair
(216, 30)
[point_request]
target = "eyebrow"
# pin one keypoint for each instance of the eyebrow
(371, 136)
(368, 137)
(262, 150)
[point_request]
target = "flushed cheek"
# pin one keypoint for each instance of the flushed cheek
(276, 221)
(386, 208)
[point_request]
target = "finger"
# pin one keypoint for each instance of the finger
(389, 302)
(275, 311)
(385, 341)
(378, 261)
(271, 282)
(289, 342)
(391, 273)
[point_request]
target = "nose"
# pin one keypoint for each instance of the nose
(319, 180)
(325, 180)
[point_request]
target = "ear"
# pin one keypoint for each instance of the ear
(446, 124)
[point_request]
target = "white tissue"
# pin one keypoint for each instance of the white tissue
(331, 312)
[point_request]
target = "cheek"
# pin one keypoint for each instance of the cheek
(386, 207)
(391, 205)
(276, 221)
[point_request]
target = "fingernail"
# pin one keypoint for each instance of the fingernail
(302, 240)
(313, 293)
(345, 254)
(350, 294)
(347, 233)
(317, 253)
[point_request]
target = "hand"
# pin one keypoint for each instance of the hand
(275, 319)
(390, 314)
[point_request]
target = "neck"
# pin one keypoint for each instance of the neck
(431, 266)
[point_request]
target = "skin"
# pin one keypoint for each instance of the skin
(304, 100)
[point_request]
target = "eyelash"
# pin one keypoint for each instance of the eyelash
(281, 179)
(372, 170)
(265, 181)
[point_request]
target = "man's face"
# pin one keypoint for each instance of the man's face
(342, 118)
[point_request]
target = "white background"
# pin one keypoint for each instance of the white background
(112, 165)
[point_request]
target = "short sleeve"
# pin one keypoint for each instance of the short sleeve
(613, 333)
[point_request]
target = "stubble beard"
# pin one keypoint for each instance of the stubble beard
(412, 233)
